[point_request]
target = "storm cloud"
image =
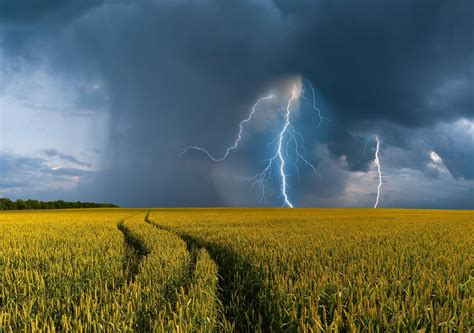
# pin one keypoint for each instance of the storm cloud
(173, 73)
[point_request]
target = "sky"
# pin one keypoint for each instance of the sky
(99, 97)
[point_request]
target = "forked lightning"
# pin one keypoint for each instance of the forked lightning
(237, 140)
(288, 137)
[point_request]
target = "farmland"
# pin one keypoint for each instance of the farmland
(207, 270)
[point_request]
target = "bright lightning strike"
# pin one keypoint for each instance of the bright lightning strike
(288, 133)
(280, 142)
(288, 137)
(237, 140)
(379, 171)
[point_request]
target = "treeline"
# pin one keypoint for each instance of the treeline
(7, 204)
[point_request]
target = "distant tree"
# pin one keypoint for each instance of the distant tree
(20, 204)
(7, 204)
(32, 204)
(59, 204)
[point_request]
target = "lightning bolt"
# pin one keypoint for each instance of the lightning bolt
(321, 118)
(237, 140)
(287, 137)
(279, 152)
(379, 171)
(288, 133)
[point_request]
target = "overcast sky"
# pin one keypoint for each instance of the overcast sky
(97, 98)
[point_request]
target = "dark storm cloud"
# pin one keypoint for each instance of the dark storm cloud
(28, 11)
(455, 146)
(174, 83)
(181, 72)
(387, 60)
(20, 20)
(397, 62)
(351, 148)
(453, 142)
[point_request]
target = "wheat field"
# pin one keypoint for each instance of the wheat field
(242, 270)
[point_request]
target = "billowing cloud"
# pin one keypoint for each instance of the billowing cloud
(32, 177)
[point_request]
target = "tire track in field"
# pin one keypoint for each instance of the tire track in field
(240, 301)
(192, 279)
(134, 249)
(190, 247)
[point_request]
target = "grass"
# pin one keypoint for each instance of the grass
(207, 270)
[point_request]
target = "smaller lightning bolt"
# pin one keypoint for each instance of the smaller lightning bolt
(321, 118)
(377, 162)
(237, 140)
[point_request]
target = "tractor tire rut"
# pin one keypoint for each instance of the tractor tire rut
(241, 306)
(135, 252)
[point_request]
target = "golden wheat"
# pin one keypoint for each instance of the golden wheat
(342, 270)
(208, 270)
